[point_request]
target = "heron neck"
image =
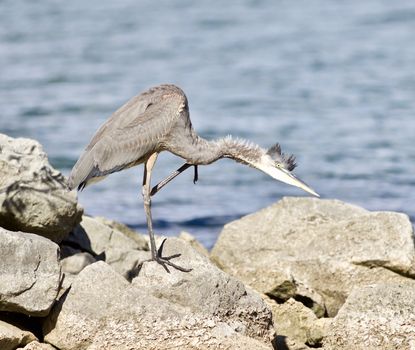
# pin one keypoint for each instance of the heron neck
(240, 150)
(196, 150)
(200, 151)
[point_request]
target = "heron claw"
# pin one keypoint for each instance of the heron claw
(163, 260)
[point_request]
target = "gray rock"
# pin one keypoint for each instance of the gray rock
(292, 320)
(103, 311)
(29, 273)
(380, 316)
(35, 345)
(12, 337)
(140, 239)
(285, 343)
(125, 262)
(74, 264)
(71, 266)
(205, 289)
(186, 236)
(121, 249)
(318, 331)
(324, 246)
(33, 195)
(94, 236)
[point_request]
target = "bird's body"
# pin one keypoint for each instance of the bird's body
(136, 130)
(158, 120)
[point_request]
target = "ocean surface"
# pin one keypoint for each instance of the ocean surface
(332, 81)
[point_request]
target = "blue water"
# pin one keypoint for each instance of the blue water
(332, 81)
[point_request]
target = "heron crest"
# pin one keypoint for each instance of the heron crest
(288, 160)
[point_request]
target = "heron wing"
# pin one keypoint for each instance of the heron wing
(132, 133)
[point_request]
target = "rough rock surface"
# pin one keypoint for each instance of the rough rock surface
(380, 316)
(219, 294)
(12, 337)
(292, 319)
(318, 331)
(326, 246)
(141, 240)
(113, 242)
(74, 264)
(29, 273)
(34, 196)
(188, 237)
(35, 345)
(203, 309)
(97, 236)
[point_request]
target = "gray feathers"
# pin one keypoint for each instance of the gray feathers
(154, 121)
(131, 134)
(288, 161)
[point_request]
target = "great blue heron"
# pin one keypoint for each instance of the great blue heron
(158, 120)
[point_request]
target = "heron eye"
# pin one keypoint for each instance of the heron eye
(278, 165)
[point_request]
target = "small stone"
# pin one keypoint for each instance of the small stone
(12, 337)
(292, 319)
(318, 331)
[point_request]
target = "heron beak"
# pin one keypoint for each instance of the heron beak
(285, 176)
(289, 178)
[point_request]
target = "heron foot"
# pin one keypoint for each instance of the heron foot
(163, 260)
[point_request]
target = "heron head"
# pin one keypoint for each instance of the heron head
(280, 166)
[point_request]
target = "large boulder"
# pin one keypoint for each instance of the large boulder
(380, 316)
(206, 290)
(316, 251)
(29, 273)
(33, 195)
(202, 309)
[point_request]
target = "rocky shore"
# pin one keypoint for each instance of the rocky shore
(303, 273)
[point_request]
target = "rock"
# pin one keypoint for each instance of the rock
(321, 247)
(125, 262)
(318, 331)
(379, 316)
(95, 237)
(34, 196)
(74, 264)
(29, 273)
(292, 320)
(186, 236)
(103, 239)
(280, 286)
(12, 337)
(285, 343)
(35, 345)
(177, 310)
(140, 239)
(220, 294)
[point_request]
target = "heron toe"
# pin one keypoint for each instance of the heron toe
(162, 260)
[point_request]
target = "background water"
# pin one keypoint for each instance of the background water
(332, 81)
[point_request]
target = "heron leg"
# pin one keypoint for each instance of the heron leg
(164, 182)
(156, 254)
